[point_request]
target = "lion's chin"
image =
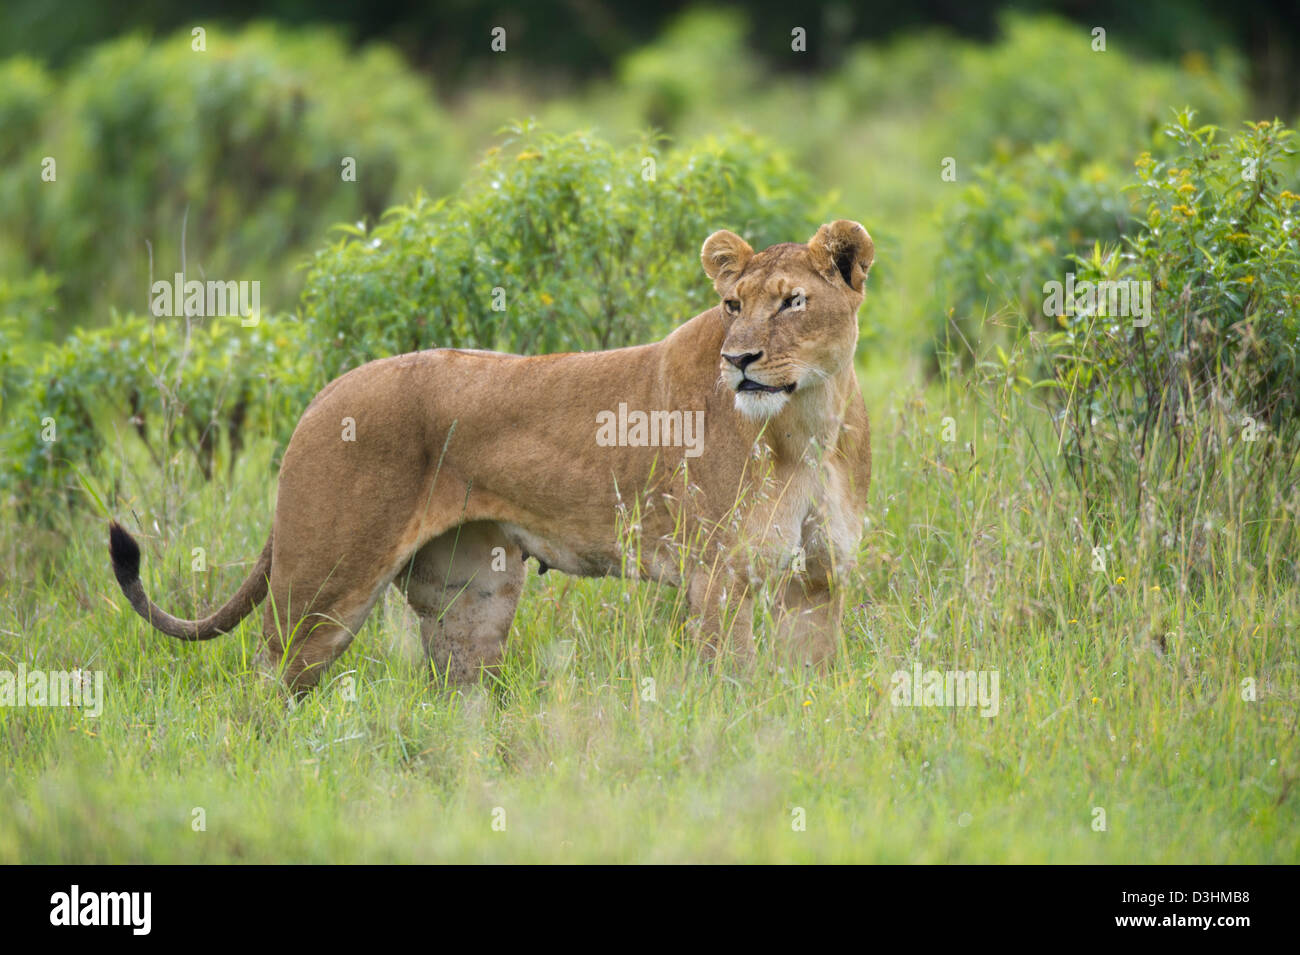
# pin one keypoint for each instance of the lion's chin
(761, 405)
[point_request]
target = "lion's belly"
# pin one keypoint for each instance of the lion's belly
(569, 557)
(596, 558)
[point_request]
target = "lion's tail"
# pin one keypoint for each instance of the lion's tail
(126, 567)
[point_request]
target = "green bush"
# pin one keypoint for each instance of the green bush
(586, 252)
(1045, 163)
(906, 75)
(1044, 82)
(700, 60)
(1014, 228)
(1216, 370)
(26, 97)
(239, 147)
(174, 390)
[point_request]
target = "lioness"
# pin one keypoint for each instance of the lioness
(442, 471)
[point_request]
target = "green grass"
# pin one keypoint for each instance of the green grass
(975, 559)
(1119, 690)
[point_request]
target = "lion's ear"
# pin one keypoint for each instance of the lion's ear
(724, 256)
(843, 249)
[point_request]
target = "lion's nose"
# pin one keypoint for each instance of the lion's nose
(741, 361)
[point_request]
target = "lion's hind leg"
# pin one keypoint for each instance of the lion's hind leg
(464, 586)
(307, 630)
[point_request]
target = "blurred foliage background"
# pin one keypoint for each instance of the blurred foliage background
(563, 41)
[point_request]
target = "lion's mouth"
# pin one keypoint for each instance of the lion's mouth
(749, 384)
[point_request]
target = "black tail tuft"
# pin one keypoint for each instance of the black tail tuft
(125, 553)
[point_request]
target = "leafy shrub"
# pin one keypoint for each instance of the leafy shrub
(906, 75)
(175, 391)
(25, 96)
(1017, 226)
(1039, 164)
(1045, 163)
(1216, 370)
(699, 60)
(585, 251)
(1043, 82)
(241, 144)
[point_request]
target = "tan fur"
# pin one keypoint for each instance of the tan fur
(466, 462)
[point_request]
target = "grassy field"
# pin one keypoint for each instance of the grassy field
(1148, 705)
(1119, 691)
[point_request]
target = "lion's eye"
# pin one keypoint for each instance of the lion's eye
(788, 302)
(733, 306)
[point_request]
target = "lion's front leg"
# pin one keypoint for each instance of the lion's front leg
(810, 593)
(723, 608)
(808, 617)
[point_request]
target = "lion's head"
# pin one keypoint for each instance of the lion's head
(790, 311)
